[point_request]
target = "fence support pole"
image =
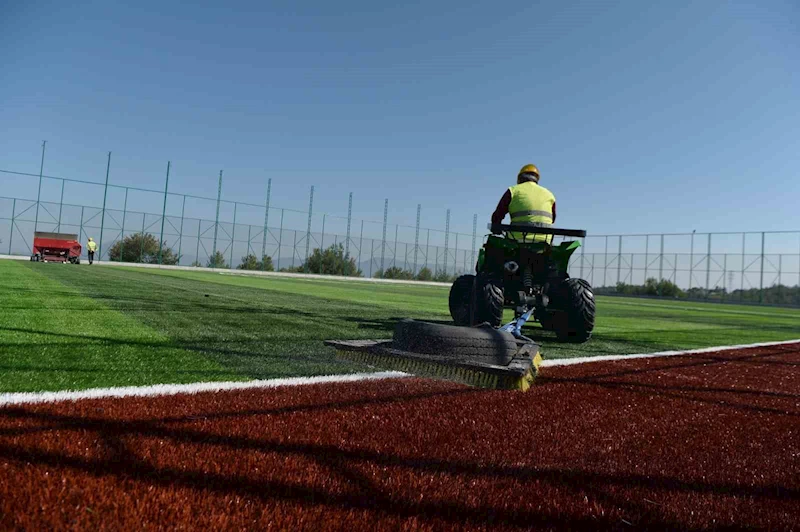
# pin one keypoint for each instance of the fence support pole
(80, 231)
(646, 255)
(122, 233)
(322, 238)
(141, 240)
(163, 214)
(103, 215)
(197, 251)
(475, 234)
(427, 247)
(741, 281)
(446, 240)
(619, 258)
(761, 283)
(605, 263)
(280, 242)
(691, 261)
(60, 207)
(394, 254)
(216, 223)
(383, 240)
(266, 221)
(360, 243)
(308, 229)
(416, 238)
(349, 219)
(708, 267)
(233, 235)
(180, 236)
(39, 195)
(11, 232)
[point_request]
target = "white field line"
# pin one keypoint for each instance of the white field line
(18, 398)
(606, 358)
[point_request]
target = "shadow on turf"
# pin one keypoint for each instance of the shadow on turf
(118, 459)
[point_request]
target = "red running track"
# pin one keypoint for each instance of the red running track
(691, 442)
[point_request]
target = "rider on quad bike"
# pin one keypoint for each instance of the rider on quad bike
(523, 270)
(527, 202)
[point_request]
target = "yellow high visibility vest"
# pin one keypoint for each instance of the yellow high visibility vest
(531, 203)
(92, 246)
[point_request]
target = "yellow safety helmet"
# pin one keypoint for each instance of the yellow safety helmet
(528, 171)
(90, 239)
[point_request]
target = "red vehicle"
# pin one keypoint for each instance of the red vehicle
(56, 247)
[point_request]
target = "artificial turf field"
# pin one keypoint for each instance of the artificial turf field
(66, 327)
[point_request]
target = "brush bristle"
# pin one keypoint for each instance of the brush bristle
(471, 377)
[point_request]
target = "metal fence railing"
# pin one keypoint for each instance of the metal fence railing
(759, 267)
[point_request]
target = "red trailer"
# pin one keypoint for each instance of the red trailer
(56, 247)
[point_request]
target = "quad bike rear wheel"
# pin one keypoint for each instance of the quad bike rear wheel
(578, 309)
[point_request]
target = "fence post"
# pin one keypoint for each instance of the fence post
(741, 281)
(322, 239)
(266, 221)
(80, 231)
(233, 235)
(163, 214)
(455, 256)
(122, 233)
(691, 262)
(724, 275)
(216, 223)
(103, 215)
(416, 238)
(605, 263)
(708, 267)
(197, 251)
(349, 219)
(475, 234)
(141, 239)
(11, 232)
(583, 245)
(446, 240)
(383, 240)
(619, 258)
(661, 265)
(360, 243)
(646, 255)
(60, 207)
(39, 196)
(427, 247)
(180, 236)
(280, 242)
(394, 254)
(761, 283)
(308, 229)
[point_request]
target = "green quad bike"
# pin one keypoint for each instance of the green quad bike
(524, 275)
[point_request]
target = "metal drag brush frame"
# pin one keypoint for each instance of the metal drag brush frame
(519, 374)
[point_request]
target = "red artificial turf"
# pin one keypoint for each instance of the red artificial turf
(692, 442)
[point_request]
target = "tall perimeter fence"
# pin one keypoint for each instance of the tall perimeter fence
(754, 267)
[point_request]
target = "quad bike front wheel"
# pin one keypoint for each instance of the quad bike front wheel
(489, 299)
(461, 300)
(576, 321)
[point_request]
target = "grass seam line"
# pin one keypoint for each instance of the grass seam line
(18, 398)
(610, 358)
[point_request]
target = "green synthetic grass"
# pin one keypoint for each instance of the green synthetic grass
(85, 326)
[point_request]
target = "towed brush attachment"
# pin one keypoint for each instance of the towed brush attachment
(480, 356)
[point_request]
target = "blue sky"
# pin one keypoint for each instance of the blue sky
(642, 116)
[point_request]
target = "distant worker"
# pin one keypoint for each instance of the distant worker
(91, 247)
(527, 202)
